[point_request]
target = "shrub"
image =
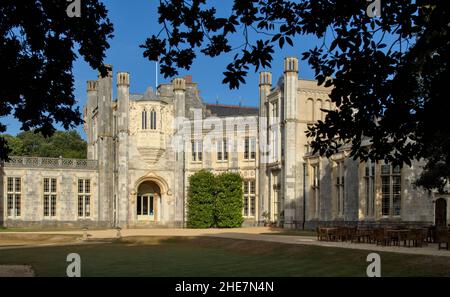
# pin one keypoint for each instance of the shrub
(228, 201)
(201, 200)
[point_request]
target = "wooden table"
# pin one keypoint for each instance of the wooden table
(398, 234)
(329, 232)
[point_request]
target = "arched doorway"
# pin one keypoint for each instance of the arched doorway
(148, 201)
(441, 212)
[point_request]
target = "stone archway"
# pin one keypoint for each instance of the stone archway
(148, 198)
(150, 186)
(440, 212)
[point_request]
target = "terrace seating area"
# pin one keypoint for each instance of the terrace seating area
(387, 236)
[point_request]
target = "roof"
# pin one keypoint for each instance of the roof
(149, 95)
(220, 110)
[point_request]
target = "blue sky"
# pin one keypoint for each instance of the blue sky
(137, 19)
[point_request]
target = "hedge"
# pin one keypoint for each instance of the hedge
(215, 201)
(229, 201)
(200, 213)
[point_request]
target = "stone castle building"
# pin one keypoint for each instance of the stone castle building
(143, 147)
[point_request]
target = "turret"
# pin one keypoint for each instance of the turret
(123, 100)
(105, 148)
(91, 105)
(179, 90)
(291, 130)
(290, 88)
(121, 194)
(265, 83)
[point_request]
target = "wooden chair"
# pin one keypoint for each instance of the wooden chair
(351, 233)
(341, 234)
(321, 234)
(358, 235)
(380, 237)
(431, 234)
(442, 237)
(415, 236)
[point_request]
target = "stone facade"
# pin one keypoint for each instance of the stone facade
(142, 148)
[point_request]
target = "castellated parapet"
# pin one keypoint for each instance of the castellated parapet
(123, 79)
(179, 84)
(92, 85)
(265, 78)
(291, 64)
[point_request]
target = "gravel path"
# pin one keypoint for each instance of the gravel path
(256, 234)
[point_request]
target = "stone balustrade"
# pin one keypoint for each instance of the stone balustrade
(39, 162)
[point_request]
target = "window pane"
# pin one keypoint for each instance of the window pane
(80, 186)
(87, 205)
(385, 193)
(225, 150)
(246, 149)
(46, 206)
(397, 204)
(80, 205)
(385, 205)
(87, 186)
(46, 185)
(219, 150)
(253, 148)
(17, 204)
(396, 194)
(252, 206)
(145, 205)
(252, 187)
(139, 205)
(18, 185)
(53, 185)
(385, 169)
(245, 206)
(10, 205)
(53, 206)
(151, 206)
(10, 184)
(367, 185)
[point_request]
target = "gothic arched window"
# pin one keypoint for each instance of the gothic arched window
(144, 120)
(153, 120)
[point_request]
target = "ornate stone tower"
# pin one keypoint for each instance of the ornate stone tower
(291, 171)
(105, 149)
(92, 103)
(179, 90)
(265, 84)
(122, 190)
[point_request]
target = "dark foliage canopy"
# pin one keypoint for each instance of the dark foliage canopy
(388, 72)
(66, 144)
(37, 50)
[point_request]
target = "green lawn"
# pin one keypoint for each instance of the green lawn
(218, 257)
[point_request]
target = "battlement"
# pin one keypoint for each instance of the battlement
(123, 79)
(291, 64)
(265, 78)
(179, 84)
(92, 85)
